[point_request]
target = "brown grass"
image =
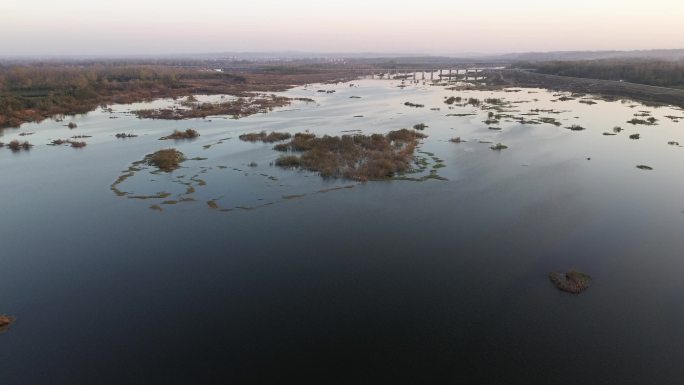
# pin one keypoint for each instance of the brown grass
(264, 137)
(178, 135)
(237, 108)
(76, 144)
(166, 160)
(356, 157)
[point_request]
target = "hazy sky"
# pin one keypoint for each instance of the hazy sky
(423, 26)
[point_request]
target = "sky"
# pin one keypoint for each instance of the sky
(117, 27)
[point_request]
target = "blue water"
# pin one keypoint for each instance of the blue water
(382, 282)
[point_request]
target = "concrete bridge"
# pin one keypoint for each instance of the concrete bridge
(424, 73)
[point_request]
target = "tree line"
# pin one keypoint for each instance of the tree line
(652, 72)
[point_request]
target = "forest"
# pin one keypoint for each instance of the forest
(651, 72)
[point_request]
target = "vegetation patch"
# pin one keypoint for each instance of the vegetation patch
(644, 167)
(76, 144)
(498, 147)
(237, 108)
(575, 127)
(409, 104)
(178, 135)
(166, 160)
(264, 137)
(635, 136)
(648, 122)
(16, 145)
(356, 157)
(453, 99)
(572, 281)
(5, 322)
(124, 135)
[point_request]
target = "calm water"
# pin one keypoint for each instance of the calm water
(429, 282)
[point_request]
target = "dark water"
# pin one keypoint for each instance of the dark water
(392, 282)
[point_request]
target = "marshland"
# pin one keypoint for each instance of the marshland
(365, 223)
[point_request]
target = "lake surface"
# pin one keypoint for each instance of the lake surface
(297, 279)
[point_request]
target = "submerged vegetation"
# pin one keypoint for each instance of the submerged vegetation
(356, 157)
(166, 160)
(572, 281)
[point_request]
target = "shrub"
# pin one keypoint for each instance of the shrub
(16, 145)
(166, 160)
(76, 144)
(178, 135)
(265, 138)
(288, 161)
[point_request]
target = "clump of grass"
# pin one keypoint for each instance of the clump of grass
(617, 129)
(16, 145)
(288, 161)
(409, 104)
(178, 135)
(498, 147)
(673, 143)
(252, 164)
(5, 322)
(453, 99)
(494, 101)
(419, 126)
(264, 137)
(405, 136)
(356, 157)
(648, 122)
(166, 160)
(587, 101)
(456, 140)
(572, 281)
(76, 144)
(635, 136)
(644, 167)
(58, 142)
(72, 125)
(123, 135)
(576, 127)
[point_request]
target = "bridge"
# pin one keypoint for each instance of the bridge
(423, 73)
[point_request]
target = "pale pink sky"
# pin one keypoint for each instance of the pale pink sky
(428, 26)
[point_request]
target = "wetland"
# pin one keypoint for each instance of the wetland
(386, 226)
